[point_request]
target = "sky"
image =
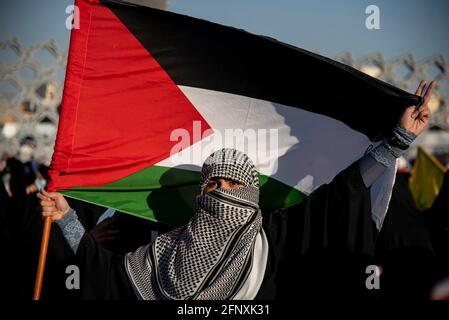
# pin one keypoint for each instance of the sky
(327, 26)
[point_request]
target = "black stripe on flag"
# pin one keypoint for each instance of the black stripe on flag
(202, 54)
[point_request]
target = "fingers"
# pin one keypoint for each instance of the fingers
(428, 93)
(426, 98)
(45, 203)
(41, 195)
(424, 114)
(53, 204)
(48, 214)
(54, 213)
(51, 195)
(48, 206)
(45, 200)
(416, 112)
(419, 113)
(32, 188)
(421, 86)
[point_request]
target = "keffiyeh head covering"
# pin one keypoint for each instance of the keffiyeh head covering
(211, 257)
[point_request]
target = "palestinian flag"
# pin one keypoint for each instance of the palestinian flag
(149, 94)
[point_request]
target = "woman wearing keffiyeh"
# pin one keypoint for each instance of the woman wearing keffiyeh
(229, 250)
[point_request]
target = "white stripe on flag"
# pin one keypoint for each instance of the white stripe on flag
(311, 149)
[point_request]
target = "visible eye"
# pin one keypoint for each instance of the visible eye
(234, 184)
(212, 184)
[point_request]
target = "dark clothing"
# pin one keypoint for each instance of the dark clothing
(133, 232)
(318, 248)
(404, 248)
(103, 274)
(6, 247)
(27, 247)
(437, 220)
(413, 246)
(321, 247)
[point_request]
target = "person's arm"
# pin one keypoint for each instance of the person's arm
(377, 160)
(412, 123)
(342, 208)
(72, 229)
(54, 205)
(103, 272)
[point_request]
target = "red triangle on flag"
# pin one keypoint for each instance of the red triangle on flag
(119, 106)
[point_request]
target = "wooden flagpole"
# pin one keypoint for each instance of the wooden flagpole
(42, 259)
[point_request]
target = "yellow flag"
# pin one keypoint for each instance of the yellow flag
(426, 180)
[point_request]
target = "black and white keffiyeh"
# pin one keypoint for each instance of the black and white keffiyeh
(213, 256)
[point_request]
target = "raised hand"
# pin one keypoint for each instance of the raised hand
(414, 119)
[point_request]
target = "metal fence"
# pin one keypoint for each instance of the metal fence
(31, 83)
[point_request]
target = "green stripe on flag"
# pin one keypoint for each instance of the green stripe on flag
(167, 195)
